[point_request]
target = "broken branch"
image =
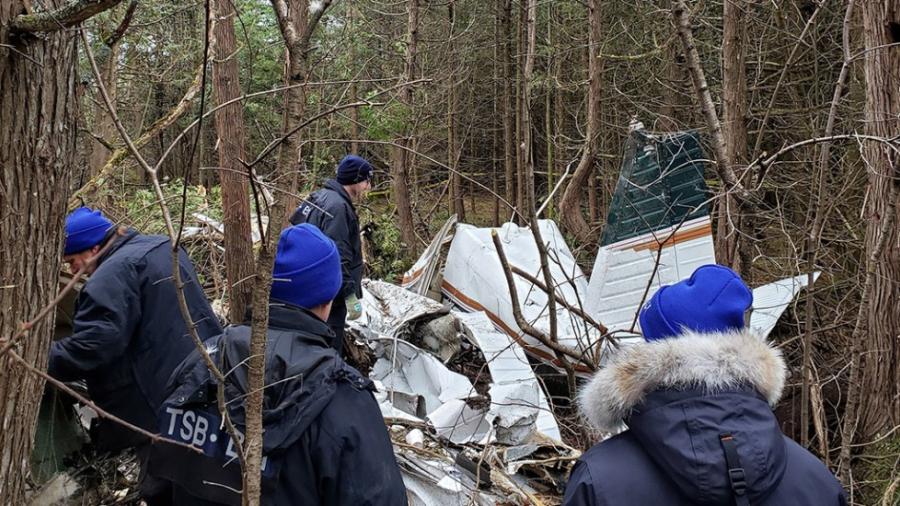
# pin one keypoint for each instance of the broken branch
(578, 311)
(520, 319)
(80, 398)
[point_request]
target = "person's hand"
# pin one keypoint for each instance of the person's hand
(354, 307)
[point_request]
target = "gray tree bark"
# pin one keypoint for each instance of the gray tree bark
(570, 210)
(37, 153)
(232, 175)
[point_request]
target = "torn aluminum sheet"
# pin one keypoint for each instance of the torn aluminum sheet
(771, 300)
(474, 280)
(434, 480)
(389, 409)
(419, 277)
(388, 309)
(394, 312)
(517, 399)
(415, 374)
(460, 423)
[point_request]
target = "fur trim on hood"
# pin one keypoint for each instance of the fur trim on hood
(708, 362)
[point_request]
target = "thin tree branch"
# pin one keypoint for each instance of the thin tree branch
(784, 71)
(277, 142)
(120, 30)
(764, 164)
(520, 319)
(313, 21)
(681, 15)
(577, 311)
(104, 414)
(159, 125)
(193, 124)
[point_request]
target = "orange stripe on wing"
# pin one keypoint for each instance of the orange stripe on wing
(516, 336)
(679, 237)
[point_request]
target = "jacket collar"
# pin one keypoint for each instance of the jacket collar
(334, 186)
(707, 362)
(118, 242)
(284, 315)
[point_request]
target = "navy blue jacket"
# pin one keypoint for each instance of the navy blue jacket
(679, 397)
(128, 332)
(331, 210)
(324, 443)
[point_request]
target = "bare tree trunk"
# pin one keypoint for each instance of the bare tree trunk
(495, 144)
(509, 123)
(402, 158)
(354, 87)
(725, 169)
(530, 44)
(521, 33)
(548, 114)
(734, 129)
(457, 204)
(103, 124)
(815, 220)
(570, 204)
(881, 361)
(297, 25)
(232, 175)
(559, 128)
(37, 155)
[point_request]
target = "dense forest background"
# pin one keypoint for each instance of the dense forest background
(479, 109)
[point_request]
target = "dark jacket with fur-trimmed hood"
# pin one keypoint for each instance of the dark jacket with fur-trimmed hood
(679, 397)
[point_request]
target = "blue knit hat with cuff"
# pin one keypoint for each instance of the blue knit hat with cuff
(85, 228)
(353, 169)
(307, 270)
(713, 299)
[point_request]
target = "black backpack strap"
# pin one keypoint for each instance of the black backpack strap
(735, 470)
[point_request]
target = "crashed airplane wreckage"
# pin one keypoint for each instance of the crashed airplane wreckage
(658, 231)
(457, 302)
(470, 419)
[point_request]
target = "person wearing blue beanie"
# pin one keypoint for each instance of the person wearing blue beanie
(695, 401)
(332, 209)
(307, 270)
(324, 437)
(128, 333)
(86, 230)
(713, 299)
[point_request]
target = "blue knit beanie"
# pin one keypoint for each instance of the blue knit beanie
(307, 269)
(85, 228)
(353, 169)
(713, 299)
